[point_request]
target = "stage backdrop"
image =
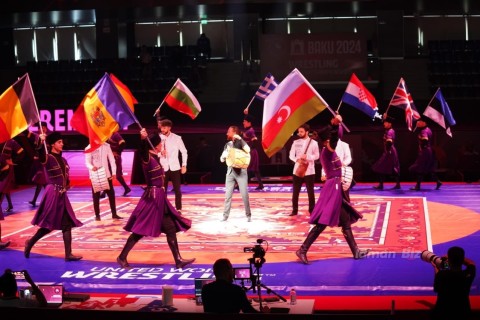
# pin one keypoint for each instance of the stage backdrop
(320, 57)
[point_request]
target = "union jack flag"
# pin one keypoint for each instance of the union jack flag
(403, 99)
(267, 86)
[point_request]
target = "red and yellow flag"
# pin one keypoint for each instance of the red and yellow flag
(290, 105)
(18, 109)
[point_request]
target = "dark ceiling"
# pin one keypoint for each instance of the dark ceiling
(28, 13)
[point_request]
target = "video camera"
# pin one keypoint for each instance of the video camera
(258, 250)
(440, 262)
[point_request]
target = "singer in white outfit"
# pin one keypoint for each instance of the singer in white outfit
(102, 157)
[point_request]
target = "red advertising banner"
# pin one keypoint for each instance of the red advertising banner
(329, 57)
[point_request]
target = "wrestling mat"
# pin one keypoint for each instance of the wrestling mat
(396, 229)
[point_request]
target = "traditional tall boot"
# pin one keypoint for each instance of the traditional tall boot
(380, 183)
(417, 186)
(397, 183)
(179, 261)
(311, 237)
(67, 241)
(38, 188)
(3, 245)
(131, 242)
(29, 243)
(357, 253)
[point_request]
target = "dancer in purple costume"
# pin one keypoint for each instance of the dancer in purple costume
(154, 214)
(388, 163)
(333, 207)
(251, 139)
(425, 163)
(55, 211)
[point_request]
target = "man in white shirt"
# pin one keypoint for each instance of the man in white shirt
(303, 149)
(172, 147)
(102, 157)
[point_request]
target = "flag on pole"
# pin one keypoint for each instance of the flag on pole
(18, 109)
(182, 99)
(101, 113)
(403, 99)
(438, 111)
(358, 96)
(290, 105)
(267, 86)
(125, 92)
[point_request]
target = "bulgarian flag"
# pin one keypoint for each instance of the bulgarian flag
(290, 105)
(182, 99)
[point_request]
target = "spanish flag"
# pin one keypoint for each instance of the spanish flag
(18, 109)
(101, 113)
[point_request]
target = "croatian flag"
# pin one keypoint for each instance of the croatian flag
(359, 97)
(267, 86)
(438, 111)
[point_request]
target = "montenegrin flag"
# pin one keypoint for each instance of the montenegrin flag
(125, 92)
(18, 109)
(101, 113)
(290, 105)
(182, 99)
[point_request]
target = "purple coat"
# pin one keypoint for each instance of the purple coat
(425, 162)
(332, 197)
(388, 163)
(251, 139)
(55, 209)
(147, 217)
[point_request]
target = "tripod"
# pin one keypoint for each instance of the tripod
(257, 285)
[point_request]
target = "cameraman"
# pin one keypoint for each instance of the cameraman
(9, 288)
(222, 295)
(452, 286)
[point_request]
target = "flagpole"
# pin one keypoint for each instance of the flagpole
(245, 111)
(390, 103)
(334, 114)
(161, 104)
(36, 108)
(339, 105)
(433, 97)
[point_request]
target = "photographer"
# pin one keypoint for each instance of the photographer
(452, 286)
(9, 289)
(222, 295)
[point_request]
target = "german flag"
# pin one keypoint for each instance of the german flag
(18, 109)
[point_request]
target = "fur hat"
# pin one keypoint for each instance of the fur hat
(155, 139)
(325, 133)
(54, 137)
(249, 118)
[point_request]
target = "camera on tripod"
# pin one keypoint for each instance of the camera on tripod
(258, 250)
(430, 257)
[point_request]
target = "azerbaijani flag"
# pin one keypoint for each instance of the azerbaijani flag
(18, 109)
(125, 92)
(101, 113)
(290, 105)
(182, 99)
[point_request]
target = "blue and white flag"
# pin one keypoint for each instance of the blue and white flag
(438, 111)
(268, 85)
